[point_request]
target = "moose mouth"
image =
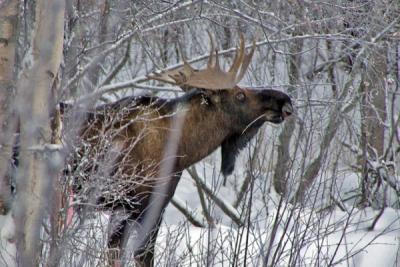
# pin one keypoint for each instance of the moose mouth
(280, 116)
(277, 119)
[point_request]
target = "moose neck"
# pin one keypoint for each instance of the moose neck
(203, 130)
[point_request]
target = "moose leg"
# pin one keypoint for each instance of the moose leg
(145, 254)
(115, 239)
(145, 223)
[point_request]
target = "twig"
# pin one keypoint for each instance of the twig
(141, 79)
(186, 212)
(206, 212)
(225, 207)
(125, 37)
(372, 226)
(118, 67)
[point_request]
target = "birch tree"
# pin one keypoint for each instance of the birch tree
(37, 158)
(8, 38)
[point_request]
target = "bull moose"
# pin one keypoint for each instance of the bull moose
(149, 141)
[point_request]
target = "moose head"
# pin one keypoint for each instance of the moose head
(241, 110)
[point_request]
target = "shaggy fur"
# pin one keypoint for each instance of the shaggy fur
(129, 137)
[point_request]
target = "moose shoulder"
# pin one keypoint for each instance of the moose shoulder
(148, 131)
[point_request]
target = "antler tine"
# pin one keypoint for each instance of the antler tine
(187, 68)
(181, 52)
(212, 55)
(210, 59)
(216, 60)
(246, 61)
(212, 77)
(238, 56)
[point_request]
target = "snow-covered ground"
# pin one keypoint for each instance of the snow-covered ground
(224, 246)
(280, 234)
(327, 238)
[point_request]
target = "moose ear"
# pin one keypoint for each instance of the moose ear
(231, 147)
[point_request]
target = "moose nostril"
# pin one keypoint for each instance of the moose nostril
(287, 110)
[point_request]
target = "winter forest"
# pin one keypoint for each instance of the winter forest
(99, 98)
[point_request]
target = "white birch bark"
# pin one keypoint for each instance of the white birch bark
(34, 191)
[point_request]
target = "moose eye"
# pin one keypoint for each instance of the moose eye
(241, 97)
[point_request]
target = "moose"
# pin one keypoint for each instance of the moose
(149, 141)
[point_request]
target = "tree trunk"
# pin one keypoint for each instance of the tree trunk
(284, 160)
(373, 116)
(95, 71)
(375, 106)
(37, 159)
(8, 25)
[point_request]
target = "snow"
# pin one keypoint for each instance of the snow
(336, 237)
(8, 249)
(280, 234)
(184, 245)
(87, 244)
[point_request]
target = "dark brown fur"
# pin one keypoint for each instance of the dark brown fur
(140, 128)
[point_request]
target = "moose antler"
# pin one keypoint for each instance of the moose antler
(211, 77)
